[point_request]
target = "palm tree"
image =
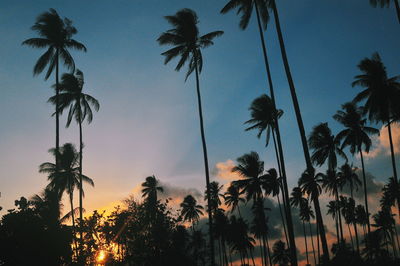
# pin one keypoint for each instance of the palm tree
(349, 211)
(325, 146)
(332, 184)
(355, 135)
(150, 189)
(239, 238)
(361, 218)
(233, 199)
(348, 176)
(383, 3)
(215, 195)
(381, 96)
(221, 224)
(245, 8)
(305, 215)
(55, 35)
(68, 175)
(383, 222)
(184, 36)
(251, 168)
(191, 211)
(280, 254)
(273, 185)
(334, 210)
(374, 251)
(80, 108)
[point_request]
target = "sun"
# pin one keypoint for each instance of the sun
(101, 256)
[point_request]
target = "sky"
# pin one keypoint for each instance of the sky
(148, 119)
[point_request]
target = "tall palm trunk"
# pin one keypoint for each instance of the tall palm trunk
(261, 252)
(203, 140)
(265, 250)
(57, 113)
(396, 181)
(351, 236)
(80, 177)
(305, 242)
(339, 214)
(312, 243)
(301, 127)
(337, 227)
(357, 241)
(281, 189)
(396, 3)
(71, 201)
(365, 190)
(291, 243)
(269, 250)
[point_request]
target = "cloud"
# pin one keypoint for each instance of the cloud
(382, 144)
(223, 171)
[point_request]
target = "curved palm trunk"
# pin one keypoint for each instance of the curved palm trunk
(305, 242)
(291, 243)
(283, 220)
(365, 191)
(339, 215)
(301, 127)
(312, 243)
(396, 3)
(392, 153)
(203, 140)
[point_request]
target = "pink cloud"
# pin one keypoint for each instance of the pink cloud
(382, 146)
(223, 171)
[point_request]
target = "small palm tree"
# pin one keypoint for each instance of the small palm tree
(356, 136)
(325, 146)
(348, 177)
(55, 35)
(381, 95)
(191, 211)
(251, 168)
(233, 199)
(151, 188)
(386, 3)
(184, 36)
(383, 222)
(215, 196)
(80, 108)
(280, 254)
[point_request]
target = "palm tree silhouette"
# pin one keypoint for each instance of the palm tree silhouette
(233, 199)
(355, 135)
(221, 224)
(305, 215)
(386, 3)
(68, 175)
(150, 189)
(361, 218)
(245, 8)
(280, 254)
(191, 211)
(80, 108)
(55, 35)
(332, 184)
(383, 222)
(251, 168)
(349, 212)
(184, 36)
(325, 146)
(348, 176)
(215, 196)
(381, 95)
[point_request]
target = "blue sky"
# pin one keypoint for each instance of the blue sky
(148, 121)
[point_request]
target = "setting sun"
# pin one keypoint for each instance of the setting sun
(101, 256)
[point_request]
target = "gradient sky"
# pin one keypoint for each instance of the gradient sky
(148, 120)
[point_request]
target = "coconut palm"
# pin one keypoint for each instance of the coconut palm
(305, 215)
(386, 3)
(356, 136)
(55, 35)
(233, 199)
(151, 188)
(334, 210)
(221, 224)
(280, 254)
(348, 177)
(272, 184)
(349, 211)
(239, 239)
(325, 146)
(374, 248)
(332, 184)
(184, 36)
(381, 95)
(80, 109)
(215, 196)
(191, 211)
(310, 184)
(245, 9)
(361, 218)
(383, 222)
(251, 168)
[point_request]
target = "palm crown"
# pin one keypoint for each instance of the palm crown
(191, 211)
(186, 40)
(55, 35)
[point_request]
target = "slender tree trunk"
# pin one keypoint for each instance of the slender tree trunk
(351, 237)
(392, 148)
(356, 234)
(252, 257)
(396, 233)
(283, 220)
(291, 243)
(339, 215)
(80, 179)
(318, 248)
(203, 139)
(305, 241)
(71, 201)
(266, 253)
(57, 113)
(219, 252)
(269, 250)
(261, 251)
(365, 191)
(396, 3)
(301, 129)
(312, 243)
(337, 227)
(238, 208)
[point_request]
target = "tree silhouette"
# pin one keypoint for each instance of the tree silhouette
(381, 96)
(80, 109)
(184, 36)
(233, 199)
(355, 135)
(191, 211)
(386, 3)
(55, 34)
